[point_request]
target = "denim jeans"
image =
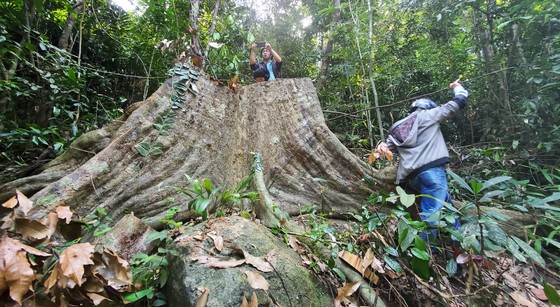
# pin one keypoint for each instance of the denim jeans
(432, 181)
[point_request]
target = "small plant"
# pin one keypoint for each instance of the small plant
(203, 193)
(151, 271)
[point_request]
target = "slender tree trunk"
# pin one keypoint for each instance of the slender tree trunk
(372, 81)
(196, 49)
(65, 37)
(326, 61)
(490, 57)
(211, 30)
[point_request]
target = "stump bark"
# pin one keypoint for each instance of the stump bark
(213, 135)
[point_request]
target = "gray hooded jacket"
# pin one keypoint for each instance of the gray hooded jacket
(418, 140)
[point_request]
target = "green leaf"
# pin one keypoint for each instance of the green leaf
(141, 150)
(138, 295)
(490, 195)
(476, 186)
(451, 267)
(406, 237)
(2, 38)
(30, 47)
(494, 181)
(406, 199)
(529, 251)
(207, 185)
(159, 302)
(460, 181)
(71, 74)
(420, 254)
(551, 294)
(391, 251)
(201, 204)
(339, 273)
(421, 267)
(156, 152)
(393, 264)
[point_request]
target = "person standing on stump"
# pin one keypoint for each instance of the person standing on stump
(418, 140)
(270, 68)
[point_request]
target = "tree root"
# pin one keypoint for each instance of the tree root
(272, 216)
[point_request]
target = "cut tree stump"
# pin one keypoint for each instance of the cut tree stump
(213, 135)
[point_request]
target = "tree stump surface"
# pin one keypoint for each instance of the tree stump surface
(212, 136)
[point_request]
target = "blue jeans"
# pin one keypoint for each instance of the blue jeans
(432, 181)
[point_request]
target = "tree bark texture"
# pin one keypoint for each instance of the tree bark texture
(212, 136)
(65, 37)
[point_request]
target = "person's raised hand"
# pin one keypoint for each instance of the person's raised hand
(454, 84)
(253, 46)
(267, 46)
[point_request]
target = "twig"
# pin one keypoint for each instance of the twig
(427, 285)
(282, 281)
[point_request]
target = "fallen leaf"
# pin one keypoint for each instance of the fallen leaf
(372, 158)
(259, 263)
(114, 269)
(345, 292)
(203, 298)
(521, 299)
(74, 258)
(10, 203)
(218, 241)
(64, 213)
(368, 259)
(244, 302)
(539, 293)
(254, 300)
(256, 280)
(97, 299)
(31, 229)
(463, 258)
(24, 203)
(51, 223)
(226, 264)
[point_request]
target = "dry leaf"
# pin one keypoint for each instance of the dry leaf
(358, 264)
(539, 293)
(226, 264)
(24, 203)
(19, 275)
(203, 298)
(372, 158)
(10, 203)
(463, 258)
(114, 269)
(64, 213)
(218, 241)
(73, 259)
(368, 259)
(521, 299)
(345, 292)
(244, 302)
(256, 280)
(259, 263)
(96, 298)
(254, 300)
(32, 229)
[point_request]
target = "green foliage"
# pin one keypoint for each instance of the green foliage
(152, 271)
(202, 194)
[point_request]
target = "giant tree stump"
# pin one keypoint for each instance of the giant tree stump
(212, 136)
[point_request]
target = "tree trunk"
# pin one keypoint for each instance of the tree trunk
(212, 136)
(326, 59)
(64, 40)
(211, 31)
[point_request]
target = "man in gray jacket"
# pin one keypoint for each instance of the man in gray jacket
(418, 140)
